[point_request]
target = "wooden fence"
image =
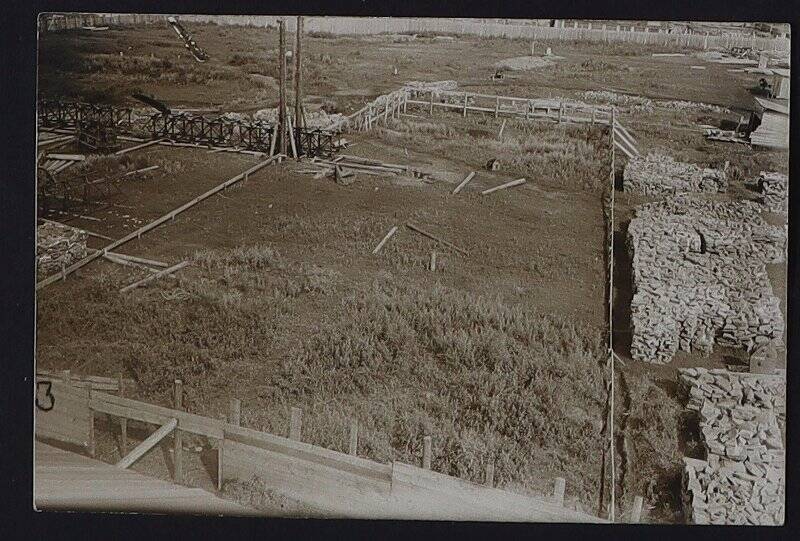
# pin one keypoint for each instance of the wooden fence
(629, 32)
(335, 483)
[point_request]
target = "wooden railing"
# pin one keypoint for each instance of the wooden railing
(340, 484)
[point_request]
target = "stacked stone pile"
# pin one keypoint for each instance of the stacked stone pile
(58, 246)
(427, 86)
(742, 479)
(774, 188)
(658, 174)
(699, 278)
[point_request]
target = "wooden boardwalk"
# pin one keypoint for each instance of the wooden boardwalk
(67, 481)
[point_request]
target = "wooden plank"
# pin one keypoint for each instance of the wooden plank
(142, 170)
(623, 149)
(177, 448)
(636, 512)
(138, 147)
(618, 133)
(139, 259)
(426, 452)
(67, 157)
(434, 237)
(155, 276)
(391, 232)
(510, 184)
(147, 444)
(558, 490)
(296, 424)
(306, 452)
(464, 182)
(154, 414)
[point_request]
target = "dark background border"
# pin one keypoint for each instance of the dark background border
(17, 254)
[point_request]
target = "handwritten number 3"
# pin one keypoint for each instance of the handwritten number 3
(48, 405)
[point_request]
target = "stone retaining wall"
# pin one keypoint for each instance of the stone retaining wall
(699, 278)
(658, 174)
(741, 417)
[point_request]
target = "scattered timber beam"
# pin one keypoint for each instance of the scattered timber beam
(152, 225)
(413, 227)
(139, 260)
(70, 157)
(464, 182)
(391, 232)
(147, 444)
(155, 276)
(143, 170)
(137, 147)
(623, 149)
(511, 184)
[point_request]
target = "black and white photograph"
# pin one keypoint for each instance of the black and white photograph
(424, 269)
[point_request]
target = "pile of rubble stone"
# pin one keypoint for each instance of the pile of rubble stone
(742, 417)
(427, 86)
(658, 174)
(774, 188)
(699, 278)
(314, 119)
(58, 246)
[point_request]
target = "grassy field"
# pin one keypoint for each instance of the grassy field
(499, 353)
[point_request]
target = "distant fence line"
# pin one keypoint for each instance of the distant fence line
(633, 32)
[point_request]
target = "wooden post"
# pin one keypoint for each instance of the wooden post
(433, 261)
(594, 112)
(178, 436)
(465, 104)
(66, 377)
(298, 89)
(497, 107)
(426, 452)
(560, 112)
(220, 452)
(123, 422)
(353, 437)
(92, 442)
(489, 480)
(235, 412)
(296, 424)
(636, 512)
(431, 103)
(558, 490)
(282, 85)
(405, 103)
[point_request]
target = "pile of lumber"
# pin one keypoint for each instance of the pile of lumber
(55, 163)
(348, 165)
(51, 140)
(58, 246)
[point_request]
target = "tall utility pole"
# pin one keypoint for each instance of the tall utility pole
(282, 76)
(298, 93)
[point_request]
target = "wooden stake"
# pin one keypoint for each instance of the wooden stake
(426, 452)
(502, 127)
(511, 184)
(391, 232)
(123, 421)
(178, 436)
(489, 480)
(296, 424)
(353, 437)
(558, 490)
(66, 377)
(433, 261)
(636, 512)
(466, 180)
(235, 412)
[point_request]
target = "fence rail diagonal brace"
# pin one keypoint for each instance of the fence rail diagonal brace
(147, 444)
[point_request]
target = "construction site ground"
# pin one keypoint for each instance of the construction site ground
(255, 325)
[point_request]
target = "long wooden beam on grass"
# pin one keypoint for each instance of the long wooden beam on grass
(511, 184)
(137, 147)
(391, 232)
(155, 276)
(464, 182)
(413, 227)
(152, 225)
